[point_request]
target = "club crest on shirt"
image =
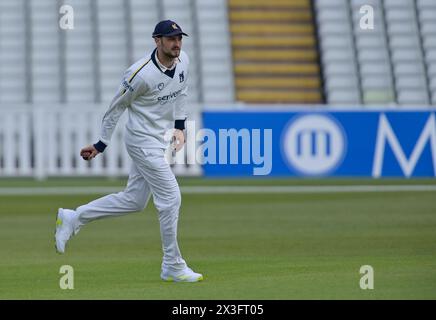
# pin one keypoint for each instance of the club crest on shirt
(160, 86)
(182, 76)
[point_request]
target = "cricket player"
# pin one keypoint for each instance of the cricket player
(154, 91)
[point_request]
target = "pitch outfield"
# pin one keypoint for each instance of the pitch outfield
(248, 246)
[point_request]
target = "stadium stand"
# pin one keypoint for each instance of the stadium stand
(216, 56)
(427, 14)
(13, 79)
(376, 79)
(279, 51)
(406, 52)
(392, 64)
(112, 39)
(338, 53)
(274, 51)
(207, 46)
(46, 64)
(45, 51)
(80, 65)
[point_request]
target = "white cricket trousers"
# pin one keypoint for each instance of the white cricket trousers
(150, 174)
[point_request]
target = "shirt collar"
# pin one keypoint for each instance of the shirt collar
(163, 68)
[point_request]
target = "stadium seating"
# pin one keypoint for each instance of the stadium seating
(253, 51)
(377, 84)
(45, 52)
(427, 14)
(214, 48)
(81, 63)
(208, 48)
(406, 52)
(42, 63)
(13, 80)
(391, 64)
(338, 53)
(274, 51)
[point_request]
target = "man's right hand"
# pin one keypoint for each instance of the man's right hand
(88, 152)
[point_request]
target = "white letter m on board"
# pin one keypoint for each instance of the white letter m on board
(386, 134)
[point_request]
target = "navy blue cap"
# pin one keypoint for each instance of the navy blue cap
(167, 28)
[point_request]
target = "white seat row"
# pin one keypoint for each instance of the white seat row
(373, 56)
(13, 80)
(427, 12)
(338, 55)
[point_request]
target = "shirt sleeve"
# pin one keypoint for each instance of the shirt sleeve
(180, 103)
(129, 90)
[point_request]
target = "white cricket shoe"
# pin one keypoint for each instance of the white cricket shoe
(65, 228)
(185, 275)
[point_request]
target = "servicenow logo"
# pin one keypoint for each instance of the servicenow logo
(313, 144)
(172, 95)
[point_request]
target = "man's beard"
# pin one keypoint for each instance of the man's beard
(169, 54)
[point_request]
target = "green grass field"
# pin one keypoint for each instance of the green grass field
(248, 246)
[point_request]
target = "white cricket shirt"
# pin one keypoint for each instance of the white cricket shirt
(155, 98)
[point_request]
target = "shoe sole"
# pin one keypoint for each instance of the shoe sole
(170, 279)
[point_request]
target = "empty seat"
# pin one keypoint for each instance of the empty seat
(335, 54)
(375, 68)
(401, 27)
(369, 41)
(406, 69)
(342, 82)
(344, 97)
(402, 41)
(360, 3)
(370, 55)
(334, 68)
(433, 84)
(378, 96)
(406, 54)
(410, 97)
(424, 4)
(377, 81)
(411, 82)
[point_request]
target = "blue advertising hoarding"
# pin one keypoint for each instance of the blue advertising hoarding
(335, 143)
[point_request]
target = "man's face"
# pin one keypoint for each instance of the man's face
(170, 46)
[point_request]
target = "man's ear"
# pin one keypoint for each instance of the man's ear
(157, 40)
